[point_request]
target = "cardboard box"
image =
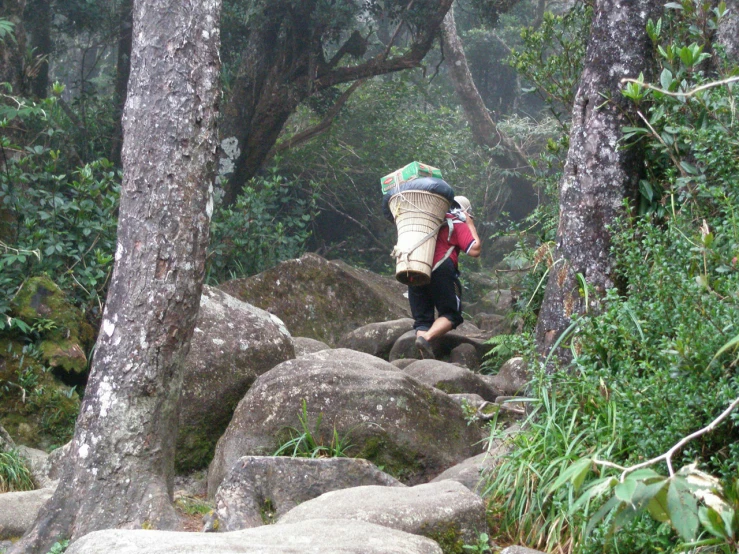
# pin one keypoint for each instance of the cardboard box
(412, 171)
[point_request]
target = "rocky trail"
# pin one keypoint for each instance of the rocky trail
(318, 358)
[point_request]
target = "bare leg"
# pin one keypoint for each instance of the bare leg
(440, 327)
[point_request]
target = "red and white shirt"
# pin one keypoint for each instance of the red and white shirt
(461, 239)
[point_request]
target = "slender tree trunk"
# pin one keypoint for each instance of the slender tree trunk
(11, 51)
(599, 174)
(38, 26)
(484, 130)
(123, 70)
(121, 464)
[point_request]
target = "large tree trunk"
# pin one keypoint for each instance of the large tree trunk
(123, 71)
(283, 64)
(484, 129)
(11, 51)
(38, 26)
(599, 173)
(728, 30)
(121, 463)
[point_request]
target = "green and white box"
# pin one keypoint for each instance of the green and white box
(412, 171)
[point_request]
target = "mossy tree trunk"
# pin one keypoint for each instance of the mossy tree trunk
(599, 173)
(119, 473)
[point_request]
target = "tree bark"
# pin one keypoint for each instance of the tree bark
(123, 71)
(728, 30)
(283, 64)
(11, 51)
(484, 130)
(598, 173)
(38, 25)
(120, 469)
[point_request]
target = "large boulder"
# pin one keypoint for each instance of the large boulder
(466, 333)
(260, 489)
(232, 345)
(451, 379)
(320, 299)
(19, 511)
(512, 377)
(446, 511)
(305, 345)
(67, 335)
(376, 338)
(313, 537)
(411, 430)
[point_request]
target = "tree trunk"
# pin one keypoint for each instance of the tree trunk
(281, 66)
(123, 70)
(11, 51)
(38, 26)
(120, 469)
(728, 30)
(598, 173)
(484, 130)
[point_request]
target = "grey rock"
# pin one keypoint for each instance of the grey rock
(465, 355)
(306, 345)
(18, 511)
(260, 489)
(338, 536)
(494, 323)
(511, 379)
(472, 399)
(36, 462)
(320, 299)
(411, 430)
(405, 346)
(376, 338)
(5, 546)
(432, 509)
(451, 379)
(520, 550)
(402, 363)
(6, 442)
(472, 472)
(232, 345)
(494, 302)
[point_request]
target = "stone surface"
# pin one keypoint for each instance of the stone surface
(451, 379)
(36, 462)
(65, 343)
(260, 489)
(232, 345)
(465, 355)
(413, 431)
(6, 441)
(313, 537)
(445, 509)
(320, 299)
(19, 510)
(376, 338)
(306, 345)
(520, 550)
(472, 471)
(511, 379)
(402, 363)
(498, 302)
(493, 323)
(405, 346)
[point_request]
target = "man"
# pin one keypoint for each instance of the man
(444, 292)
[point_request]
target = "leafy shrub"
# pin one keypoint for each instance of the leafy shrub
(269, 222)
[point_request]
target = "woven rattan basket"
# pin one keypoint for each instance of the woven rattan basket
(417, 214)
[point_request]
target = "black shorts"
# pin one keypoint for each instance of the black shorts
(443, 293)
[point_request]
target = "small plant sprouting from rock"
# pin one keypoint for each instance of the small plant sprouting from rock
(307, 442)
(58, 547)
(482, 546)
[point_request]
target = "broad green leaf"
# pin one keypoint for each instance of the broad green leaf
(665, 79)
(712, 522)
(595, 489)
(657, 506)
(625, 490)
(598, 516)
(683, 508)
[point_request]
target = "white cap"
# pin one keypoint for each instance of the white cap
(464, 203)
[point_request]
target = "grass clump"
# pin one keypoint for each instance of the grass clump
(308, 442)
(14, 473)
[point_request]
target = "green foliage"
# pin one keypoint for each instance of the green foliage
(58, 547)
(481, 546)
(6, 30)
(504, 347)
(193, 506)
(14, 473)
(552, 55)
(269, 223)
(560, 429)
(308, 442)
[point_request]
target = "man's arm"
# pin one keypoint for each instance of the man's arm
(476, 248)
